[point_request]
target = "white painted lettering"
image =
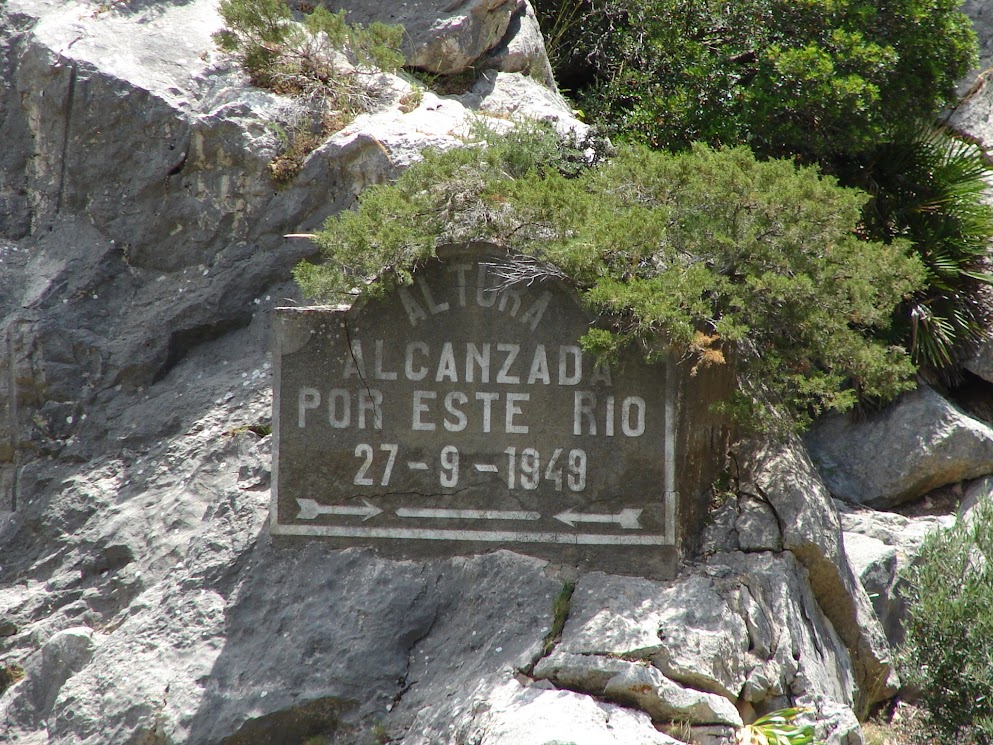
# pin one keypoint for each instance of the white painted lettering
(609, 421)
(566, 377)
(460, 271)
(408, 364)
(378, 372)
(503, 376)
(434, 307)
(473, 356)
(600, 374)
(371, 401)
(354, 364)
(487, 399)
(415, 313)
(485, 296)
(533, 315)
(513, 409)
(582, 409)
(307, 398)
(420, 408)
(539, 367)
(511, 293)
(451, 401)
(633, 405)
(447, 369)
(339, 408)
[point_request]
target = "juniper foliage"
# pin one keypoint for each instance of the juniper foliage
(709, 252)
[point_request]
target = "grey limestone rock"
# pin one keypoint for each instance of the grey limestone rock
(918, 444)
(972, 113)
(522, 50)
(449, 37)
(517, 715)
(745, 630)
(980, 490)
(981, 363)
(879, 546)
(780, 475)
(141, 252)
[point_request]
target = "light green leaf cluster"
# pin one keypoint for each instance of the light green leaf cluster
(709, 252)
(776, 728)
(947, 653)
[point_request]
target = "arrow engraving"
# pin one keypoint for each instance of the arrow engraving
(309, 509)
(627, 519)
(468, 514)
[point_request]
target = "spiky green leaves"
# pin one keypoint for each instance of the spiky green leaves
(929, 188)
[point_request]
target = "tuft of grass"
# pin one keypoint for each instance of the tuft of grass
(333, 67)
(262, 429)
(560, 614)
(9, 675)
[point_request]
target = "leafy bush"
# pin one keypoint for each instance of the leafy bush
(815, 78)
(948, 654)
(843, 83)
(330, 65)
(710, 252)
(929, 188)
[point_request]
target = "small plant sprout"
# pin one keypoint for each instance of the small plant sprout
(776, 728)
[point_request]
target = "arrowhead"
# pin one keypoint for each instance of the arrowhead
(568, 517)
(308, 509)
(373, 510)
(628, 519)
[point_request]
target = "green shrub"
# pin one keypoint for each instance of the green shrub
(288, 56)
(948, 653)
(9, 675)
(929, 188)
(710, 252)
(843, 83)
(815, 78)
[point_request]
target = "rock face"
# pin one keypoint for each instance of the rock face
(782, 504)
(914, 446)
(446, 37)
(141, 254)
(982, 363)
(879, 546)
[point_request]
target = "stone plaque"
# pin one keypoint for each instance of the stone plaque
(459, 415)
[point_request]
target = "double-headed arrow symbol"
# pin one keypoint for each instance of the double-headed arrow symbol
(627, 519)
(310, 509)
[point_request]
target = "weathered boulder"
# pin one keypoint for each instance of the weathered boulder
(879, 546)
(916, 445)
(530, 715)
(980, 490)
(972, 113)
(777, 483)
(743, 632)
(522, 50)
(444, 37)
(981, 363)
